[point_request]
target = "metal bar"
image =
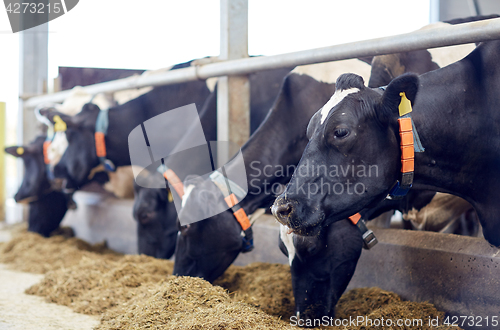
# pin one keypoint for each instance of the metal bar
(421, 39)
(233, 92)
(3, 132)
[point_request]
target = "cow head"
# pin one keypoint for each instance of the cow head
(206, 248)
(79, 158)
(353, 156)
(156, 218)
(35, 180)
(321, 266)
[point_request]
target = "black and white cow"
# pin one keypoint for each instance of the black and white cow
(46, 206)
(277, 143)
(454, 111)
(284, 138)
(151, 203)
(321, 267)
(80, 157)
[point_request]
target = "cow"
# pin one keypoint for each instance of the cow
(285, 141)
(79, 158)
(321, 267)
(199, 252)
(453, 107)
(47, 207)
(266, 85)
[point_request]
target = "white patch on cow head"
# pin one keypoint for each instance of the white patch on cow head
(187, 192)
(57, 148)
(336, 98)
(287, 239)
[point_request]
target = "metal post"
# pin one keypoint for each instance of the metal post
(2, 161)
(233, 94)
(33, 75)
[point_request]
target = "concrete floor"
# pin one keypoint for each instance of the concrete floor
(19, 311)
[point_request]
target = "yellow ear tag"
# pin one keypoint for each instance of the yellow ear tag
(170, 197)
(405, 105)
(20, 151)
(59, 124)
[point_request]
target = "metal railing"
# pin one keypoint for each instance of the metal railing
(422, 39)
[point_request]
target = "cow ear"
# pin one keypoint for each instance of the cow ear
(58, 118)
(85, 118)
(407, 84)
(16, 151)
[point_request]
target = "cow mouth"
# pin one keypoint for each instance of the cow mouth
(312, 230)
(294, 225)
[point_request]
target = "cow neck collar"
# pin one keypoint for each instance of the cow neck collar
(369, 239)
(409, 144)
(233, 194)
(101, 129)
(46, 144)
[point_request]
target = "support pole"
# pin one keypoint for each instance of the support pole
(33, 76)
(2, 161)
(233, 94)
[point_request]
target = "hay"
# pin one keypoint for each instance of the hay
(138, 292)
(96, 285)
(30, 252)
(188, 303)
(263, 285)
(378, 304)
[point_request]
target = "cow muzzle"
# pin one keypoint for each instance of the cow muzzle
(294, 215)
(282, 210)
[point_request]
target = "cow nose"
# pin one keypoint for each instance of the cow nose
(144, 217)
(282, 211)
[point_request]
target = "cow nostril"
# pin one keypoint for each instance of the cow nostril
(282, 211)
(144, 218)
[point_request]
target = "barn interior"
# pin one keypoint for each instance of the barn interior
(436, 255)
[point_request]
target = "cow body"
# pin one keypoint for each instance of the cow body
(455, 115)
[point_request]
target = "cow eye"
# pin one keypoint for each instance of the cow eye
(341, 132)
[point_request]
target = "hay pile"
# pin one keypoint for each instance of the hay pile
(375, 304)
(188, 303)
(138, 292)
(93, 286)
(30, 252)
(263, 285)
